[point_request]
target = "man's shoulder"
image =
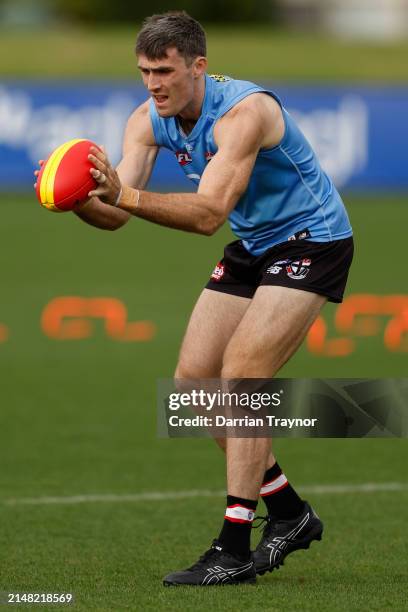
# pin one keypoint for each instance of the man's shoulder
(234, 97)
(258, 106)
(139, 125)
(141, 112)
(257, 117)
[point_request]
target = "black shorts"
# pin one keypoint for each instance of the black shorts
(320, 267)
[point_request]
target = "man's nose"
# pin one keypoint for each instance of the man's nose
(153, 83)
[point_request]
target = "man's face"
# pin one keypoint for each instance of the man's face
(169, 81)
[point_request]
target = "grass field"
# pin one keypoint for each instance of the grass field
(255, 53)
(78, 417)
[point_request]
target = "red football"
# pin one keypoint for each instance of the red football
(64, 179)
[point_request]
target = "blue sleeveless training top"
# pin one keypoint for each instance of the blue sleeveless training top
(288, 194)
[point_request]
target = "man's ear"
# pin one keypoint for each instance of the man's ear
(199, 66)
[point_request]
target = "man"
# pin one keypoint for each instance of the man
(253, 167)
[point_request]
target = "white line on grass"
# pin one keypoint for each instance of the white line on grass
(368, 487)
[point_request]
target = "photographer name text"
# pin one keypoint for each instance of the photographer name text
(269, 420)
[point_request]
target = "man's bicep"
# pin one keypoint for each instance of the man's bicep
(136, 166)
(226, 178)
(139, 149)
(228, 173)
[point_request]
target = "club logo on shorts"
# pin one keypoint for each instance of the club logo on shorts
(218, 272)
(298, 269)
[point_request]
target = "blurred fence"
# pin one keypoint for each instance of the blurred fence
(105, 11)
(358, 133)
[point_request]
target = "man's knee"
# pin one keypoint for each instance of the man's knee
(194, 370)
(236, 361)
(182, 371)
(249, 364)
(235, 368)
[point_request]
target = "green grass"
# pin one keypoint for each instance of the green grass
(254, 52)
(79, 417)
(114, 556)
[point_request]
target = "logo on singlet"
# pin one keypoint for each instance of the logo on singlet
(183, 158)
(220, 78)
(302, 235)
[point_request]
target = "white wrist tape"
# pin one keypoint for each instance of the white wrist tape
(128, 199)
(119, 196)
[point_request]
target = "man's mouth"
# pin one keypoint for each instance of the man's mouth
(161, 99)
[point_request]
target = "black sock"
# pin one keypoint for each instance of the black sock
(280, 498)
(235, 535)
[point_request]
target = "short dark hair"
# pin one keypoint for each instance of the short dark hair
(172, 29)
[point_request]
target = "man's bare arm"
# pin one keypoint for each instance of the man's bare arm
(134, 170)
(239, 136)
(222, 183)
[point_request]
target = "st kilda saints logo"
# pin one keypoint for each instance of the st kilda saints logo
(298, 269)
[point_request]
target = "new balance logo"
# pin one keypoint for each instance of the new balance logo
(277, 266)
(274, 269)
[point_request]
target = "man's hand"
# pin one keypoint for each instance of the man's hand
(109, 185)
(37, 172)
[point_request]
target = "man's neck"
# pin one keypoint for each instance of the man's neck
(191, 113)
(186, 125)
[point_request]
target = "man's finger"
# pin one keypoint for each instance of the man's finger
(99, 176)
(97, 163)
(97, 193)
(100, 190)
(97, 153)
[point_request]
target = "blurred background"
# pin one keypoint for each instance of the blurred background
(90, 320)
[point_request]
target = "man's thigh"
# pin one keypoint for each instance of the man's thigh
(273, 327)
(214, 319)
